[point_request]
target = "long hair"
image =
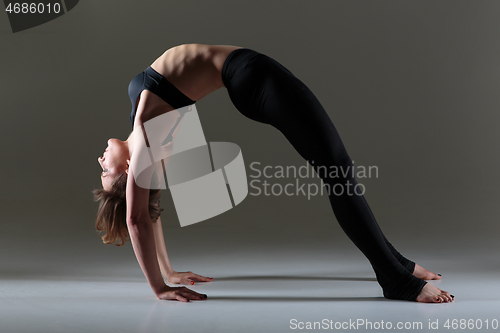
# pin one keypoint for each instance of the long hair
(111, 221)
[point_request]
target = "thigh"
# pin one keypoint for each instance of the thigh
(293, 109)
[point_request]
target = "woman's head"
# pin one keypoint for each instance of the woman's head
(115, 160)
(111, 219)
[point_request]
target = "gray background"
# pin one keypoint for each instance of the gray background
(410, 85)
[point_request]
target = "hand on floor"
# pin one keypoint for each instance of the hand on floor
(182, 294)
(188, 278)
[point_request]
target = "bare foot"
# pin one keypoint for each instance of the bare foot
(431, 294)
(424, 274)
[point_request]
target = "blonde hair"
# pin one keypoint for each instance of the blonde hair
(111, 221)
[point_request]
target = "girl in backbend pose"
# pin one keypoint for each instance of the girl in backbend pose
(265, 91)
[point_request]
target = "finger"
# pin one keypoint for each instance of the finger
(185, 290)
(181, 298)
(200, 278)
(193, 295)
(188, 281)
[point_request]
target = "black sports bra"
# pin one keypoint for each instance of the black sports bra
(153, 81)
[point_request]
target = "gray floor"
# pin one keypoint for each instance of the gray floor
(77, 285)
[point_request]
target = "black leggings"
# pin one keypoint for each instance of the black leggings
(264, 90)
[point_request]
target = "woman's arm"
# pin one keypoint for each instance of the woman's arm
(161, 250)
(165, 267)
(142, 237)
(142, 234)
(143, 242)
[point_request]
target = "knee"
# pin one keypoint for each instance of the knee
(335, 168)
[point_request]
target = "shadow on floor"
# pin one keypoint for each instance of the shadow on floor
(294, 299)
(290, 277)
(48, 274)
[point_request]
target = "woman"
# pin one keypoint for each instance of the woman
(265, 91)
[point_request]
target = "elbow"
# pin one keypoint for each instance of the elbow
(133, 221)
(136, 226)
(136, 220)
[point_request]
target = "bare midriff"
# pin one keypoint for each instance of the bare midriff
(194, 69)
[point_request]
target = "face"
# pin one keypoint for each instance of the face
(114, 160)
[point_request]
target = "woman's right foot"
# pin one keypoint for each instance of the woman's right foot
(425, 274)
(431, 294)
